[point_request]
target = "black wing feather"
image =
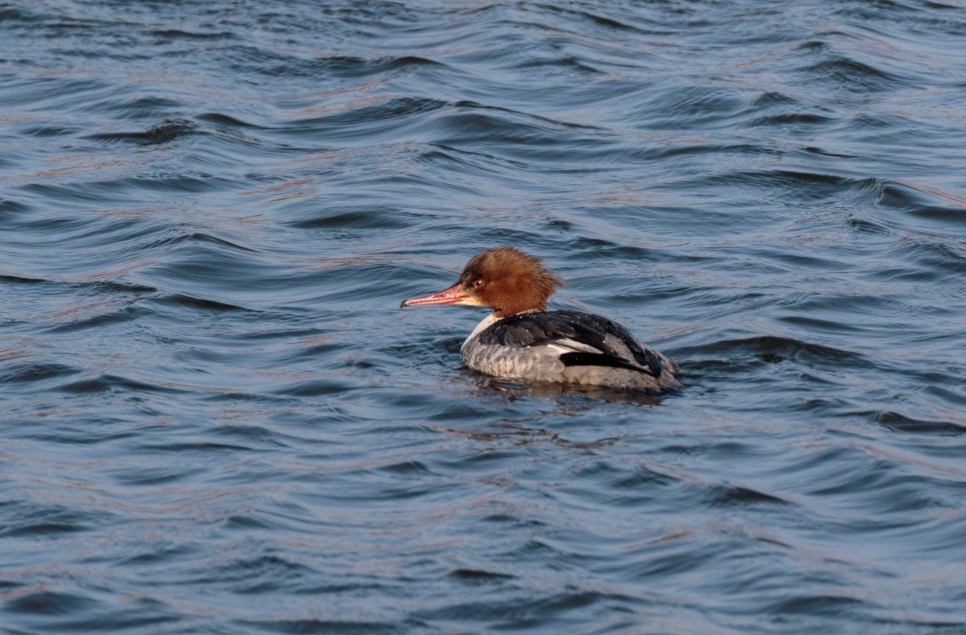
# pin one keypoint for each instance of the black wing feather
(538, 329)
(597, 359)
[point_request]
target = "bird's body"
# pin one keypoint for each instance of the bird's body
(522, 340)
(568, 347)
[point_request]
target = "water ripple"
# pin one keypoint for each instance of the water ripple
(217, 419)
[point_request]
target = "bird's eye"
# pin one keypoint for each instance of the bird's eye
(478, 283)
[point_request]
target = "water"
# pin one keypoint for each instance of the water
(216, 419)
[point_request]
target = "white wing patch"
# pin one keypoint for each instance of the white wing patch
(572, 346)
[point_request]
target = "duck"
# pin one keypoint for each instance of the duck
(522, 340)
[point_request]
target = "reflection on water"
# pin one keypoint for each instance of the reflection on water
(216, 419)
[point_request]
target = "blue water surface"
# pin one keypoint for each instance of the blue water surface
(216, 419)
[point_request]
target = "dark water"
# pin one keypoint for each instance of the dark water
(215, 418)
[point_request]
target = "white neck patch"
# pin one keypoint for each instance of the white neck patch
(487, 321)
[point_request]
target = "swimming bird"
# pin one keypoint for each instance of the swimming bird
(522, 340)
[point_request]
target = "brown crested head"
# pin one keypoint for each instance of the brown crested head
(508, 281)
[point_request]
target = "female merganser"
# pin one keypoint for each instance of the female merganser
(521, 339)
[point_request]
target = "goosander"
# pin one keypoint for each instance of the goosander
(522, 340)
